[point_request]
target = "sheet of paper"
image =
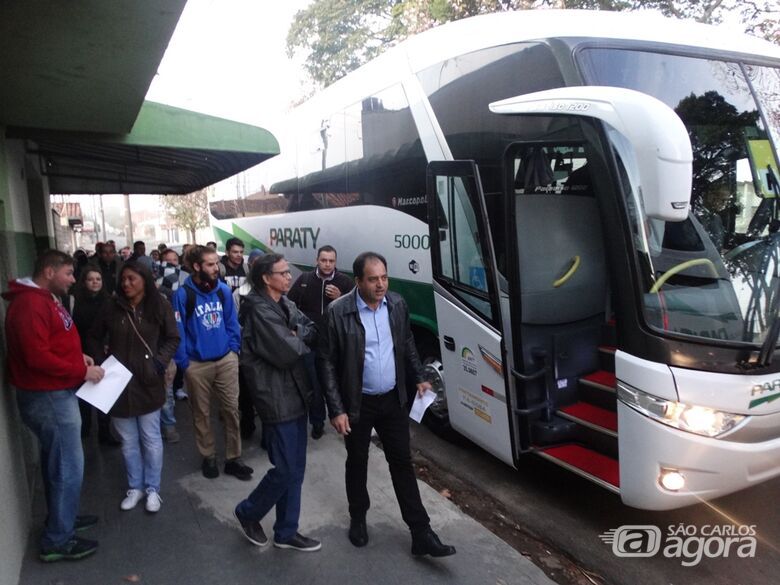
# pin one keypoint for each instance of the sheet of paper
(103, 394)
(421, 404)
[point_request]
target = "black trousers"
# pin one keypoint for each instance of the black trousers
(391, 421)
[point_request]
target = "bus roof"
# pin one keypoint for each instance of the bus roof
(472, 34)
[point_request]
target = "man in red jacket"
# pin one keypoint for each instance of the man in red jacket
(45, 366)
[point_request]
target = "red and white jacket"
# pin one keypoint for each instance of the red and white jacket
(44, 347)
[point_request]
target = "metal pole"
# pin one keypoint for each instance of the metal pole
(102, 220)
(129, 218)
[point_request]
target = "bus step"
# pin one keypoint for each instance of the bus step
(607, 357)
(591, 416)
(601, 379)
(554, 432)
(589, 464)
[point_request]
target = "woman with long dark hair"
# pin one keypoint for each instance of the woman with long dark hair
(138, 328)
(85, 302)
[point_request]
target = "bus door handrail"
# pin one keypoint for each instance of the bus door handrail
(532, 376)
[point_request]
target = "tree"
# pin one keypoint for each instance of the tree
(189, 212)
(337, 36)
(717, 132)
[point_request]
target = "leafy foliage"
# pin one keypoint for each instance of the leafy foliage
(189, 212)
(337, 36)
(717, 136)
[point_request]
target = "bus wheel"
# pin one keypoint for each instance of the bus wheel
(437, 416)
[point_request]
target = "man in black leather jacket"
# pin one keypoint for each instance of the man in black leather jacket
(275, 336)
(365, 350)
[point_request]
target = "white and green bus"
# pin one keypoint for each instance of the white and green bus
(581, 209)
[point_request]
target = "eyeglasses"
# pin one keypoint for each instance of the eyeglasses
(282, 272)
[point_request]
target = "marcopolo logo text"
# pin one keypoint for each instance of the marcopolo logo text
(686, 542)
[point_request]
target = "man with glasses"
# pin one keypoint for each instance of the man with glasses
(275, 337)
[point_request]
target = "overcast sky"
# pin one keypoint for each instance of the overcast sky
(227, 58)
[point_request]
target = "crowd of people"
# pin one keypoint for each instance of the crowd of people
(234, 330)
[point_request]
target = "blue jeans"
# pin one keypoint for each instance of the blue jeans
(142, 449)
(281, 486)
(317, 406)
(167, 416)
(55, 419)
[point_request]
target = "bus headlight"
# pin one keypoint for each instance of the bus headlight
(686, 417)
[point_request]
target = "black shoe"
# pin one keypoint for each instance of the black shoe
(252, 530)
(317, 431)
(76, 548)
(209, 467)
(427, 543)
(301, 543)
(236, 468)
(84, 522)
(358, 533)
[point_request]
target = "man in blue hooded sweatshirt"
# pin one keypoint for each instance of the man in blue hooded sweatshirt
(208, 354)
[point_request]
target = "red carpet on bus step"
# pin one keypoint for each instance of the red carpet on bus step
(588, 461)
(602, 377)
(601, 417)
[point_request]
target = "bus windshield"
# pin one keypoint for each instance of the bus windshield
(714, 275)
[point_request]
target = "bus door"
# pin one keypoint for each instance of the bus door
(468, 307)
(560, 290)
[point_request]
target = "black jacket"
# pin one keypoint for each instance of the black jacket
(271, 356)
(342, 348)
(308, 293)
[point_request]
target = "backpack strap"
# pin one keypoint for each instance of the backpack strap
(190, 306)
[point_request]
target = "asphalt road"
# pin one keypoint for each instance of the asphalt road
(569, 513)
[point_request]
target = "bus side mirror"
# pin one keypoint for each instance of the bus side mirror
(661, 146)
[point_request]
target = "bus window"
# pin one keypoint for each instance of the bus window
(714, 275)
(460, 251)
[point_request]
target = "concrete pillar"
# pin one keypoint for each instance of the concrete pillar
(18, 453)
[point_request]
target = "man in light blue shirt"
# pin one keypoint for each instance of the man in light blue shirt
(379, 362)
(366, 350)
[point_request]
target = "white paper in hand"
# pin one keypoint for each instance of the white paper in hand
(104, 394)
(421, 404)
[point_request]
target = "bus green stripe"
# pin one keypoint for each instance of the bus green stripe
(418, 295)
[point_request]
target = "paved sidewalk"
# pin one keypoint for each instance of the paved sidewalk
(195, 540)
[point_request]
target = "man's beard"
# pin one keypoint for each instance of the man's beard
(205, 278)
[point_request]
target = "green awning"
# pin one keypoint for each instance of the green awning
(169, 150)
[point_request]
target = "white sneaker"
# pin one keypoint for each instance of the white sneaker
(153, 501)
(133, 497)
